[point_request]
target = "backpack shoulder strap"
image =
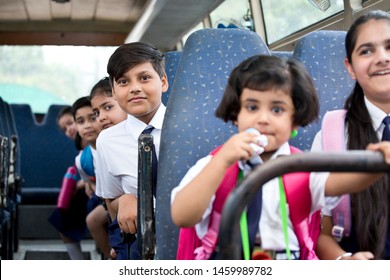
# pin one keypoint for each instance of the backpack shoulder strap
(298, 194)
(209, 241)
(227, 185)
(333, 132)
(298, 197)
(188, 241)
(190, 246)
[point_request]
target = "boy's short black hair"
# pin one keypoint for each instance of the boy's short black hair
(80, 103)
(129, 55)
(262, 72)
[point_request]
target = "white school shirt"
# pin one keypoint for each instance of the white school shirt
(270, 225)
(377, 116)
(117, 155)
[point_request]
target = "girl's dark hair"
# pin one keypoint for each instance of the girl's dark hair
(101, 88)
(129, 55)
(263, 73)
(353, 32)
(370, 208)
(80, 103)
(67, 110)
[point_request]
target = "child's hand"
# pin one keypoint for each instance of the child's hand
(88, 190)
(383, 147)
(80, 185)
(127, 213)
(362, 256)
(113, 254)
(238, 147)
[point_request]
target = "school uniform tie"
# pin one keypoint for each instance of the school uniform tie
(386, 130)
(254, 211)
(148, 130)
(386, 137)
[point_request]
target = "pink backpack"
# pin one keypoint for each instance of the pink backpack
(306, 227)
(332, 140)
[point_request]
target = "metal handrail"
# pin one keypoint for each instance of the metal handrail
(349, 161)
(146, 229)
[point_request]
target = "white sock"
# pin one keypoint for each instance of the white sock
(74, 251)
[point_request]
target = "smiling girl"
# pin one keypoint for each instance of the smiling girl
(368, 62)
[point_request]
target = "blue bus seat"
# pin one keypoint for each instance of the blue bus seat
(322, 53)
(23, 115)
(14, 180)
(5, 216)
(50, 118)
(190, 129)
(5, 234)
(282, 54)
(45, 154)
(172, 59)
(5, 133)
(13, 133)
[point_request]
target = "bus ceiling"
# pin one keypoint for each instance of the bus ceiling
(101, 22)
(164, 23)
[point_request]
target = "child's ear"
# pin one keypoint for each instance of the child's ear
(349, 69)
(165, 84)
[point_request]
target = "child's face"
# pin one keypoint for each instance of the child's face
(270, 112)
(87, 124)
(68, 126)
(371, 61)
(139, 91)
(107, 111)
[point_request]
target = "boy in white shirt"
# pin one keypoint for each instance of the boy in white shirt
(138, 79)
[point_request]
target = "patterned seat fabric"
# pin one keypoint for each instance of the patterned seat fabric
(191, 130)
(282, 54)
(171, 62)
(323, 53)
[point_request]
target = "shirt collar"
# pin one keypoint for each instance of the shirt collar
(377, 115)
(134, 126)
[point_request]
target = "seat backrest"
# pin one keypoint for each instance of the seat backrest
(8, 129)
(4, 130)
(13, 135)
(282, 54)
(322, 53)
(23, 116)
(4, 153)
(190, 129)
(50, 118)
(172, 59)
(45, 154)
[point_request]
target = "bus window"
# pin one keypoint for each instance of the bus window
(290, 16)
(232, 13)
(45, 75)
